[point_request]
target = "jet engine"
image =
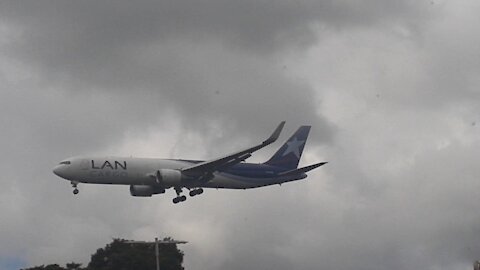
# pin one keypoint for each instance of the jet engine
(169, 178)
(145, 190)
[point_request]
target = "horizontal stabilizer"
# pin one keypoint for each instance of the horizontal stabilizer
(303, 169)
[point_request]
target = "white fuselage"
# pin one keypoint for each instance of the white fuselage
(141, 171)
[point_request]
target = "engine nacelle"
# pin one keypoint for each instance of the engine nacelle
(169, 178)
(145, 190)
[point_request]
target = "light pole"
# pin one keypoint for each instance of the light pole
(158, 242)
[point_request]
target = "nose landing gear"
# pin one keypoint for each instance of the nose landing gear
(75, 189)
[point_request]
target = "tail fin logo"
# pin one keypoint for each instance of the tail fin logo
(289, 154)
(293, 146)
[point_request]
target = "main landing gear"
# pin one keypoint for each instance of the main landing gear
(75, 189)
(193, 192)
(179, 198)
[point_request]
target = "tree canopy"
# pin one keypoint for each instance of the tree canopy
(121, 255)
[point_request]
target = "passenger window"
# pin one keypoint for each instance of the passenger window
(65, 162)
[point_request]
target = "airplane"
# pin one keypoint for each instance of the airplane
(150, 176)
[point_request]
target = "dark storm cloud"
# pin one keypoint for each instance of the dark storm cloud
(162, 48)
(77, 76)
(98, 42)
(93, 28)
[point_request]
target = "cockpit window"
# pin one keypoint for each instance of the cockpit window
(65, 162)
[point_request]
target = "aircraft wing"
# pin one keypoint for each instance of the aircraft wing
(232, 159)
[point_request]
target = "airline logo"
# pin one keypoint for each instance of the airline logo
(115, 165)
(293, 146)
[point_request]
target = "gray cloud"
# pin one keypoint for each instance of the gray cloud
(156, 47)
(97, 28)
(389, 88)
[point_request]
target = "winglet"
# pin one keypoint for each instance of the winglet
(232, 159)
(275, 134)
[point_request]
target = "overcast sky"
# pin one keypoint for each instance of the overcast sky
(391, 89)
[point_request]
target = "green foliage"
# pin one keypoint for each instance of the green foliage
(53, 267)
(74, 266)
(120, 255)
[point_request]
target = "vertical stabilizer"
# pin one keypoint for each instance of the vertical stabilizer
(289, 154)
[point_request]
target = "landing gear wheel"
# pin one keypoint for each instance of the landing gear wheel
(74, 185)
(179, 198)
(195, 192)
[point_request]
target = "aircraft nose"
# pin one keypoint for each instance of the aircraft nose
(57, 170)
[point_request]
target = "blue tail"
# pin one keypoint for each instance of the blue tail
(289, 154)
